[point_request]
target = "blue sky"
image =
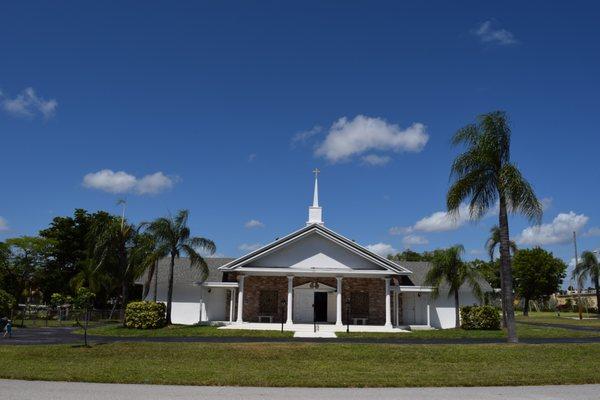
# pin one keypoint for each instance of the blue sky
(224, 108)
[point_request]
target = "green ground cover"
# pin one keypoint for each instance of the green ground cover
(182, 331)
(302, 364)
(563, 318)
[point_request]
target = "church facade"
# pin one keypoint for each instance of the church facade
(313, 276)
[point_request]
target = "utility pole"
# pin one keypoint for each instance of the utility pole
(122, 202)
(579, 305)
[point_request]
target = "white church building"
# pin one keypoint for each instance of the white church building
(311, 278)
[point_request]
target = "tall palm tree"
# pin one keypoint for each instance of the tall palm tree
(174, 233)
(494, 241)
(484, 175)
(589, 267)
(90, 277)
(449, 268)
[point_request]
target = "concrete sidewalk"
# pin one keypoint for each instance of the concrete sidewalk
(21, 390)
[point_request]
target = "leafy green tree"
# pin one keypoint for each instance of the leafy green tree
(448, 268)
(409, 255)
(174, 233)
(589, 268)
(537, 274)
(483, 175)
(489, 270)
(90, 276)
(26, 258)
(83, 300)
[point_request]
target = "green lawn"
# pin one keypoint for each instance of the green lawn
(182, 331)
(302, 364)
(524, 331)
(564, 319)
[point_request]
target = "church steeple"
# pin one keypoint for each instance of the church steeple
(315, 213)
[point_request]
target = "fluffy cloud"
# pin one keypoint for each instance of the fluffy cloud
(414, 240)
(399, 230)
(375, 160)
(560, 230)
(3, 224)
(546, 203)
(249, 246)
(383, 249)
(593, 231)
(347, 138)
(304, 136)
(28, 104)
(254, 223)
(122, 182)
(487, 33)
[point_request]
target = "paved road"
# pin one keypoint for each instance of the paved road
(26, 390)
(64, 335)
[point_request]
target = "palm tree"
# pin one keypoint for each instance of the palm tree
(449, 268)
(484, 175)
(173, 233)
(494, 241)
(90, 277)
(589, 267)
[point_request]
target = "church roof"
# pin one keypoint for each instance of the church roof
(326, 232)
(184, 274)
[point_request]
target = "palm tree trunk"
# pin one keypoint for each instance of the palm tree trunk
(597, 287)
(155, 280)
(125, 297)
(526, 307)
(170, 290)
(457, 310)
(507, 287)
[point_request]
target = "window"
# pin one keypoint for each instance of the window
(359, 304)
(268, 302)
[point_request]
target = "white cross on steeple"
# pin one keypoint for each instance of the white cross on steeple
(315, 213)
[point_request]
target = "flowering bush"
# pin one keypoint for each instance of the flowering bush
(480, 318)
(145, 315)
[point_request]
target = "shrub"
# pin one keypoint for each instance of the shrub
(145, 315)
(480, 318)
(7, 302)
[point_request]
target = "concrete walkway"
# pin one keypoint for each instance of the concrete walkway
(26, 390)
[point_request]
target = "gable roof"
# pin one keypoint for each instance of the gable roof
(421, 268)
(325, 232)
(183, 273)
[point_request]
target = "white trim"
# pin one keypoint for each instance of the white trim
(280, 271)
(413, 288)
(227, 285)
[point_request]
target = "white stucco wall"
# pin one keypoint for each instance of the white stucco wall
(186, 303)
(442, 313)
(314, 251)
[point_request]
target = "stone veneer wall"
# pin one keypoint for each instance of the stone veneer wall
(374, 286)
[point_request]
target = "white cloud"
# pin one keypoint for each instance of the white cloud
(254, 223)
(383, 249)
(560, 230)
(28, 104)
(546, 203)
(304, 136)
(400, 230)
(155, 183)
(414, 240)
(122, 182)
(442, 221)
(593, 231)
(348, 138)
(476, 252)
(375, 160)
(3, 224)
(487, 33)
(249, 246)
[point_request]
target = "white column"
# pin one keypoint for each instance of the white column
(290, 299)
(428, 311)
(388, 311)
(338, 302)
(231, 304)
(240, 307)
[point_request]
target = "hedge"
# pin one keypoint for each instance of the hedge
(7, 302)
(480, 318)
(145, 315)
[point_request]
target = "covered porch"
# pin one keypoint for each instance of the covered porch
(367, 302)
